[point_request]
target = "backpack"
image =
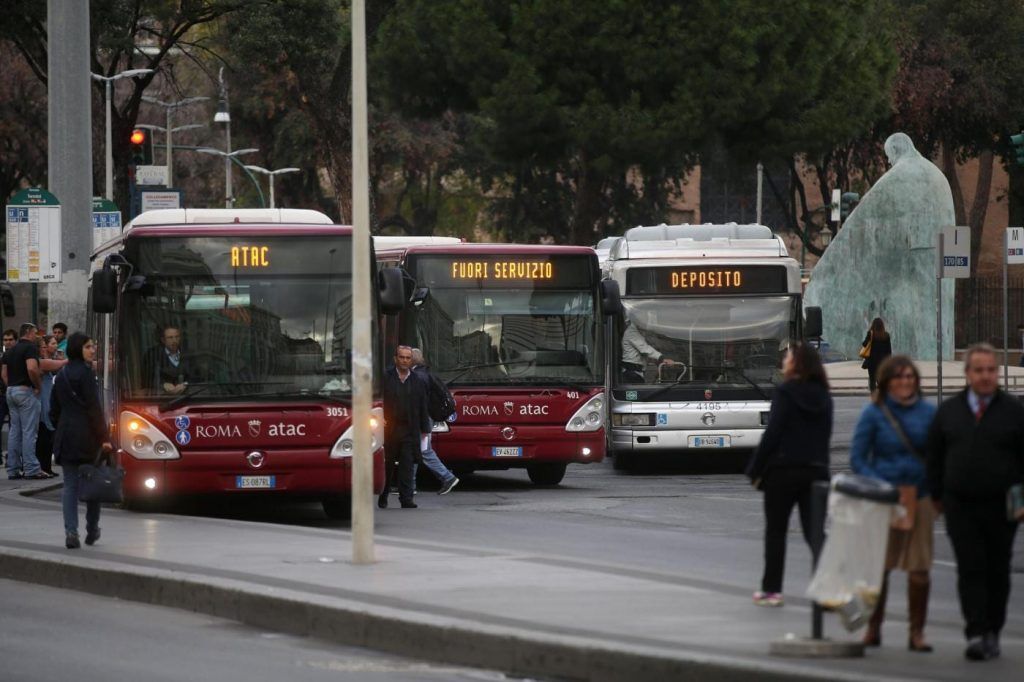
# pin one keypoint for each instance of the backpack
(440, 403)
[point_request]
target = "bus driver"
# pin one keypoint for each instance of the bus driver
(167, 365)
(634, 351)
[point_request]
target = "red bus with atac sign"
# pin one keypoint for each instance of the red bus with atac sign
(225, 353)
(516, 333)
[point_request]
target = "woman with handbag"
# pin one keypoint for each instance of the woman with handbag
(81, 433)
(792, 455)
(877, 346)
(888, 444)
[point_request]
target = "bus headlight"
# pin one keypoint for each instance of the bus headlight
(142, 440)
(346, 445)
(638, 419)
(590, 417)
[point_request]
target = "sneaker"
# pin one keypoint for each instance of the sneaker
(977, 650)
(71, 541)
(447, 487)
(768, 599)
(92, 536)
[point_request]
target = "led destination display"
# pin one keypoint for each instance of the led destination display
(504, 271)
(706, 279)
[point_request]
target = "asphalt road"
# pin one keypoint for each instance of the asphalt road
(52, 634)
(670, 518)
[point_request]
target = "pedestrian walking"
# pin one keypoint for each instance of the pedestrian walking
(81, 433)
(792, 455)
(877, 346)
(429, 455)
(975, 455)
(49, 365)
(889, 444)
(21, 374)
(406, 427)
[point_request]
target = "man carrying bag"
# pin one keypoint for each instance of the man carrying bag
(81, 437)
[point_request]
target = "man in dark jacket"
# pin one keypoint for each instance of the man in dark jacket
(975, 453)
(406, 426)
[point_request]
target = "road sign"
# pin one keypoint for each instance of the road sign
(1015, 245)
(151, 175)
(33, 237)
(955, 257)
(106, 221)
(837, 201)
(153, 200)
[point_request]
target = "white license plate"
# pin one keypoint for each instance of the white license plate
(507, 451)
(254, 481)
(709, 441)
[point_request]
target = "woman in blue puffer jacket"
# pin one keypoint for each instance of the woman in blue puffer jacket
(889, 444)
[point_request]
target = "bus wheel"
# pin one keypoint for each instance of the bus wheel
(546, 474)
(337, 508)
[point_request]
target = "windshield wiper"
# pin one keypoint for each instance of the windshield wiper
(304, 395)
(552, 382)
(720, 368)
(469, 368)
(183, 396)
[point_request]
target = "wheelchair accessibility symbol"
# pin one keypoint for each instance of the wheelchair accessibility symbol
(183, 437)
(662, 419)
(182, 422)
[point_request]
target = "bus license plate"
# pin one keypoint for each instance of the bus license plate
(709, 441)
(254, 481)
(507, 451)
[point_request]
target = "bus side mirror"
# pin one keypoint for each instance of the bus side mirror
(611, 301)
(812, 323)
(104, 290)
(7, 296)
(392, 290)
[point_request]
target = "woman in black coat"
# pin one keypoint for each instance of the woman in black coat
(792, 455)
(81, 432)
(881, 348)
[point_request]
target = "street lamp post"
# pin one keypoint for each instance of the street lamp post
(228, 158)
(175, 129)
(272, 173)
(223, 115)
(170, 107)
(107, 80)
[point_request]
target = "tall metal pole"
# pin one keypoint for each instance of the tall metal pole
(70, 157)
(272, 191)
(939, 249)
(1006, 311)
(760, 194)
(170, 164)
(109, 151)
(362, 349)
(229, 199)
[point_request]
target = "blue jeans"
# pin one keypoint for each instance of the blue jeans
(69, 499)
(21, 442)
(434, 464)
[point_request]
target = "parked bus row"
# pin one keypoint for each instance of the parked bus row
(225, 347)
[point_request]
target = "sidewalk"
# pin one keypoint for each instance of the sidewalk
(527, 614)
(849, 378)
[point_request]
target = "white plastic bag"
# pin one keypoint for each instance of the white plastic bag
(853, 559)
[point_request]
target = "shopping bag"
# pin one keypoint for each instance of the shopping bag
(100, 481)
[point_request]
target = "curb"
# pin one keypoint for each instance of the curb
(406, 633)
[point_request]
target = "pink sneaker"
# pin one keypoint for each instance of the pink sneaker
(772, 599)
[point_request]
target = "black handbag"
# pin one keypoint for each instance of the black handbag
(100, 481)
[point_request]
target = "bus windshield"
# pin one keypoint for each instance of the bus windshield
(730, 341)
(540, 328)
(233, 317)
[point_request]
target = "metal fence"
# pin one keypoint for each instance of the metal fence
(979, 311)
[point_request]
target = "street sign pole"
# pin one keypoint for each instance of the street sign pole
(939, 248)
(1013, 254)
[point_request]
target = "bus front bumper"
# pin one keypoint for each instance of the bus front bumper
(296, 473)
(665, 440)
(485, 447)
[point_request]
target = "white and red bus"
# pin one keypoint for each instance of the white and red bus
(516, 334)
(259, 401)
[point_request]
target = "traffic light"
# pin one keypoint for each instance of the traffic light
(847, 203)
(142, 147)
(1018, 146)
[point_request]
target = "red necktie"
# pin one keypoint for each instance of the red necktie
(981, 410)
